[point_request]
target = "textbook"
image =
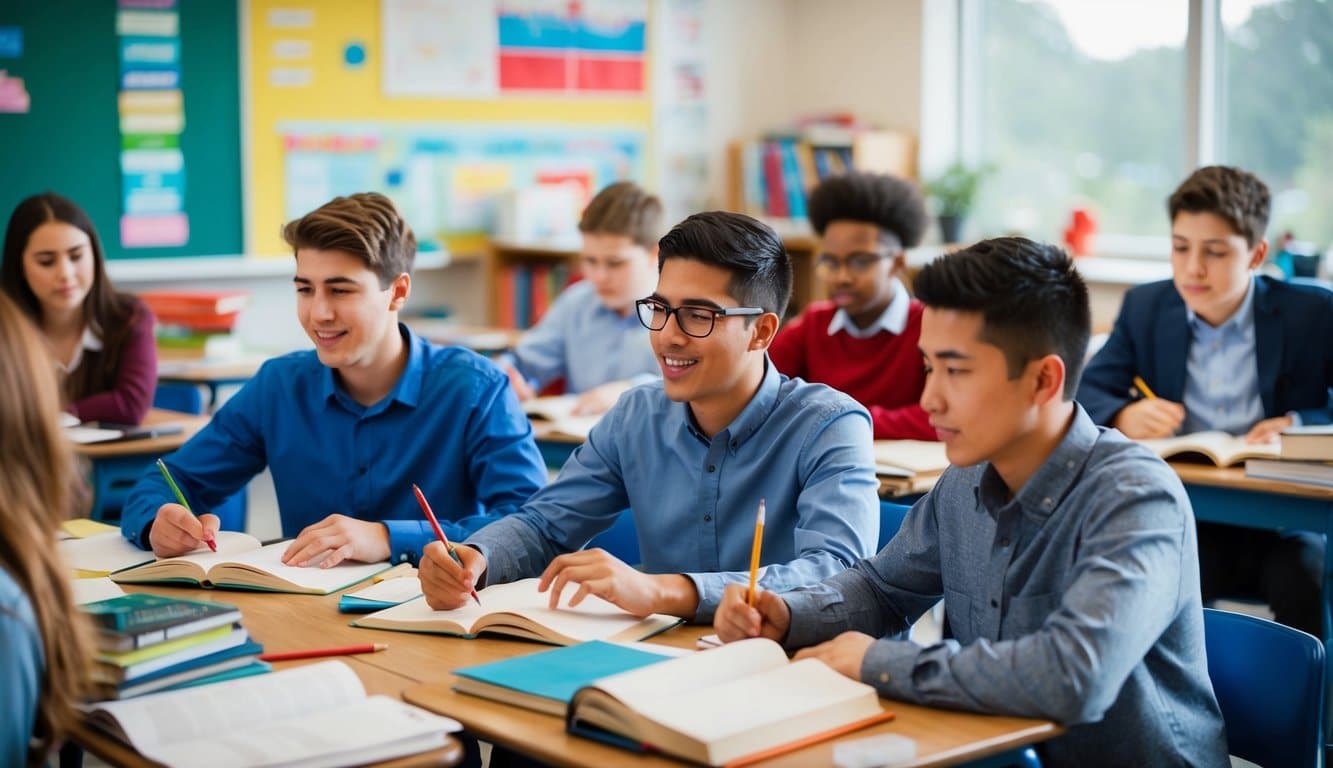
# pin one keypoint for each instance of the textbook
(141, 619)
(909, 458)
(377, 597)
(519, 610)
(558, 411)
(115, 667)
(1311, 472)
(270, 720)
(741, 700)
(1220, 448)
(546, 681)
(1313, 443)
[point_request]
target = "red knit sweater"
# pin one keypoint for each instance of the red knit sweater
(884, 372)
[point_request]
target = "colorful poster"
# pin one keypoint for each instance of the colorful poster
(440, 48)
(14, 97)
(11, 42)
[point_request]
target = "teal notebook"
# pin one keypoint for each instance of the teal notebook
(546, 681)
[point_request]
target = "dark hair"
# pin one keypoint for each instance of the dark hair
(1238, 196)
(749, 249)
(894, 205)
(1031, 298)
(108, 313)
(624, 208)
(365, 224)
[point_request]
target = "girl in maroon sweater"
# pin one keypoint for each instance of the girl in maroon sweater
(863, 340)
(102, 340)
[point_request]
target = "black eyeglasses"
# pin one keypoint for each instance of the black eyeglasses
(693, 320)
(856, 263)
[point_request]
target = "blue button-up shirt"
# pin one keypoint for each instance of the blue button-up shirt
(1222, 373)
(585, 342)
(452, 425)
(22, 660)
(804, 448)
(1076, 600)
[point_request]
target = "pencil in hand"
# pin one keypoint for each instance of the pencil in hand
(1143, 387)
(754, 553)
(439, 532)
(180, 497)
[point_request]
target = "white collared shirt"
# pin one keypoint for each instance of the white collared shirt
(893, 319)
(90, 342)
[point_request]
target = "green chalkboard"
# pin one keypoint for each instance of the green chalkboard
(69, 141)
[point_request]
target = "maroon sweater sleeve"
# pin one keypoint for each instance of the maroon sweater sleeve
(136, 378)
(908, 422)
(788, 348)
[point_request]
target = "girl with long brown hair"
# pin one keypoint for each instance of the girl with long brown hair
(55, 271)
(44, 649)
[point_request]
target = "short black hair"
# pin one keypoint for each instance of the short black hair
(1239, 197)
(1032, 300)
(894, 205)
(750, 250)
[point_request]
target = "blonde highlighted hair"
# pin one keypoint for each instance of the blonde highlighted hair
(36, 490)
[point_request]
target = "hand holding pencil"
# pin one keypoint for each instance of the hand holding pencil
(444, 578)
(1149, 417)
(176, 531)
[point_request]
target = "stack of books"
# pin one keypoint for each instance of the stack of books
(196, 325)
(148, 643)
(1306, 456)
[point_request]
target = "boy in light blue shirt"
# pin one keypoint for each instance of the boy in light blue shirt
(693, 455)
(590, 337)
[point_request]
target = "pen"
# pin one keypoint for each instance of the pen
(1143, 387)
(754, 552)
(439, 532)
(180, 497)
(315, 653)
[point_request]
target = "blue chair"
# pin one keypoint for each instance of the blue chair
(621, 539)
(1018, 758)
(1269, 681)
(187, 398)
(890, 520)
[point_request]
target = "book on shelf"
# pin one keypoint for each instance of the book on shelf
(241, 562)
(517, 609)
(736, 702)
(1310, 472)
(265, 720)
(141, 619)
(909, 458)
(183, 343)
(1220, 448)
(1313, 443)
(558, 411)
(204, 303)
(546, 681)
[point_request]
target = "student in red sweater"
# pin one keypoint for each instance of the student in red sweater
(863, 340)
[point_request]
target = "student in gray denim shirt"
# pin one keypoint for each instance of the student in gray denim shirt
(1065, 553)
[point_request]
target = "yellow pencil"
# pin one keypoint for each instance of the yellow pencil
(754, 552)
(1143, 387)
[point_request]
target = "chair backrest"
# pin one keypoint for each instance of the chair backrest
(1269, 681)
(890, 520)
(181, 396)
(620, 540)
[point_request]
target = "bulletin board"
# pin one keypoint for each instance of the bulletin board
(475, 97)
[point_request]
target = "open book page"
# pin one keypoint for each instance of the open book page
(240, 570)
(95, 589)
(1221, 448)
(230, 544)
(81, 435)
(695, 672)
(390, 591)
(559, 410)
(906, 458)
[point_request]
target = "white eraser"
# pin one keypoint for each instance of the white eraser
(886, 749)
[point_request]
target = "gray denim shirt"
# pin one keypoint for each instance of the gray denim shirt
(1077, 600)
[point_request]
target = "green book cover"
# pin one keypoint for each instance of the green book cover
(139, 612)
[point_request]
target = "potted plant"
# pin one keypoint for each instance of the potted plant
(954, 191)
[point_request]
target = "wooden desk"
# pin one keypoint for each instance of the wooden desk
(478, 338)
(942, 737)
(285, 622)
(189, 422)
(209, 373)
(116, 466)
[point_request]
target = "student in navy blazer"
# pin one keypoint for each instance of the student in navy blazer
(1225, 350)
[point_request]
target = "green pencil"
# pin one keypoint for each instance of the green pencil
(180, 497)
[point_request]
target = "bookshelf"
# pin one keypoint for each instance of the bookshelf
(546, 265)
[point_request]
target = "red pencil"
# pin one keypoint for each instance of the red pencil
(439, 532)
(314, 653)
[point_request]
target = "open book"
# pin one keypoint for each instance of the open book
(240, 563)
(909, 458)
(1220, 448)
(723, 704)
(103, 432)
(315, 715)
(559, 411)
(519, 610)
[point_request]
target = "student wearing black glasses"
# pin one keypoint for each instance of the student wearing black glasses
(863, 339)
(692, 455)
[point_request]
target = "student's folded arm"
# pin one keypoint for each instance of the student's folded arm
(214, 464)
(907, 422)
(128, 401)
(837, 511)
(540, 354)
(1123, 593)
(1104, 388)
(584, 500)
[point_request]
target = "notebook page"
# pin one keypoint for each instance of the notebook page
(269, 560)
(230, 544)
(103, 553)
(92, 590)
(691, 674)
(391, 590)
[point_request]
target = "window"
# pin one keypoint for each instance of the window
(1108, 106)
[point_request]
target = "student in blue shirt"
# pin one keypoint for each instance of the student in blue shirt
(590, 336)
(1064, 553)
(1225, 350)
(692, 455)
(44, 643)
(347, 428)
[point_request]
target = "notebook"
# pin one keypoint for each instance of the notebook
(546, 681)
(268, 719)
(377, 597)
(104, 432)
(1313, 443)
(717, 706)
(519, 610)
(1220, 448)
(559, 411)
(909, 458)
